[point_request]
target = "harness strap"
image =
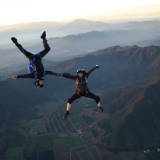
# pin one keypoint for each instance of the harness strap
(80, 81)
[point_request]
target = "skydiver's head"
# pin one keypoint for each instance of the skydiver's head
(81, 72)
(39, 83)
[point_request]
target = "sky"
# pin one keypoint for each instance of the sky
(20, 11)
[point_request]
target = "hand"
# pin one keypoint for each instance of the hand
(14, 40)
(14, 78)
(60, 74)
(97, 66)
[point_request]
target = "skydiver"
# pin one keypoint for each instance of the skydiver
(81, 88)
(36, 68)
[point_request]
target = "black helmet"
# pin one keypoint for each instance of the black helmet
(36, 83)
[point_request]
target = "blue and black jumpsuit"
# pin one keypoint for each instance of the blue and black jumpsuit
(36, 67)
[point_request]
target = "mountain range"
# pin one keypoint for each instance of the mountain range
(127, 82)
(27, 31)
(134, 117)
(75, 45)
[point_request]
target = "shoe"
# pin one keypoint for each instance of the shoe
(14, 40)
(101, 109)
(43, 36)
(66, 115)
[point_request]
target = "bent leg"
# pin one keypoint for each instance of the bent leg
(24, 51)
(93, 96)
(73, 98)
(96, 98)
(46, 48)
(69, 104)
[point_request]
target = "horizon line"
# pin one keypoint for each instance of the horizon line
(123, 20)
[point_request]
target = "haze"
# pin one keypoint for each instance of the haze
(20, 11)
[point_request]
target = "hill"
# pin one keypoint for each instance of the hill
(131, 103)
(134, 118)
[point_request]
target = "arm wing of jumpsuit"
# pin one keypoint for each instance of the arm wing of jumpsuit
(65, 75)
(53, 73)
(25, 76)
(91, 70)
(69, 76)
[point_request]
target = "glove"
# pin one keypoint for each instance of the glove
(14, 40)
(97, 66)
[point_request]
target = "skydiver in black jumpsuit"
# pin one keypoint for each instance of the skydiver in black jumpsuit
(80, 80)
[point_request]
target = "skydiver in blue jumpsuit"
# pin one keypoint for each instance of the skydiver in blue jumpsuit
(36, 68)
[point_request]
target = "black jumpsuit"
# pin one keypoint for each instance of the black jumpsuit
(32, 75)
(35, 59)
(80, 85)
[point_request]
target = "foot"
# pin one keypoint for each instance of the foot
(14, 40)
(43, 36)
(66, 115)
(101, 109)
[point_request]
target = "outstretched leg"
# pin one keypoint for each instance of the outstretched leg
(69, 103)
(20, 47)
(96, 98)
(45, 44)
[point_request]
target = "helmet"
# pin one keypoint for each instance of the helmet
(81, 70)
(38, 84)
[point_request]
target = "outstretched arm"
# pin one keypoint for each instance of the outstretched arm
(91, 70)
(65, 75)
(22, 76)
(53, 74)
